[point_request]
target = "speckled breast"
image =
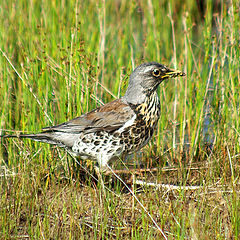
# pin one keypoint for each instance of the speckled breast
(140, 132)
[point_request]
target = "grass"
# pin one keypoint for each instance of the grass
(61, 59)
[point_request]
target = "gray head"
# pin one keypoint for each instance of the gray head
(145, 79)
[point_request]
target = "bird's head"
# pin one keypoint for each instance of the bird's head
(145, 79)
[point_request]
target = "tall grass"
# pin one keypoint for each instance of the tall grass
(61, 59)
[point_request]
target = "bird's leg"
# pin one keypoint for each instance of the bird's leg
(99, 170)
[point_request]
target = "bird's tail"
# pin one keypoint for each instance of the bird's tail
(61, 139)
(39, 137)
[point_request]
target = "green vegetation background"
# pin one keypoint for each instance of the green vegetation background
(60, 59)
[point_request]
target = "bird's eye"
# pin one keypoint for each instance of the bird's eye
(156, 72)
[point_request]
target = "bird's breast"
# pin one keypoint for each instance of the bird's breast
(149, 111)
(145, 122)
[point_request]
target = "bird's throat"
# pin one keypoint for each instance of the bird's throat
(149, 110)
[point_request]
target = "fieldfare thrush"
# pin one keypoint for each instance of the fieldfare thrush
(118, 128)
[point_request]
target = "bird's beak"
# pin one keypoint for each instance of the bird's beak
(171, 73)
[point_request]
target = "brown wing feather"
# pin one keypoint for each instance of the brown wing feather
(108, 117)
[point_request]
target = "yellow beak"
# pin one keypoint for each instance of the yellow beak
(173, 73)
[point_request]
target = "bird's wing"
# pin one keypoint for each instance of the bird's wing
(108, 117)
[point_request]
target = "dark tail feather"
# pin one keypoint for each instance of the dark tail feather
(56, 138)
(39, 137)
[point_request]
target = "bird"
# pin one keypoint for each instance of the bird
(118, 128)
